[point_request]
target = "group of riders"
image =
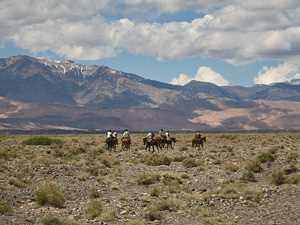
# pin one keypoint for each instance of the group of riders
(150, 136)
(163, 137)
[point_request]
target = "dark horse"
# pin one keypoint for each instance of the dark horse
(152, 143)
(168, 142)
(196, 142)
(126, 142)
(109, 143)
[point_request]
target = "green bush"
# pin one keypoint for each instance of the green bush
(152, 215)
(266, 157)
(50, 193)
(248, 176)
(41, 140)
(232, 167)
(49, 219)
(278, 177)
(254, 166)
(147, 179)
(16, 182)
(289, 169)
(94, 209)
(189, 163)
(5, 208)
(157, 160)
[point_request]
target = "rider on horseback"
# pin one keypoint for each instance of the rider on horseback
(108, 135)
(150, 136)
(198, 135)
(126, 135)
(167, 135)
(162, 135)
(115, 134)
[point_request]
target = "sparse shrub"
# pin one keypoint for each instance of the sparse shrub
(135, 222)
(189, 163)
(157, 160)
(147, 179)
(167, 204)
(289, 169)
(254, 166)
(49, 219)
(5, 208)
(292, 156)
(152, 214)
(106, 162)
(41, 140)
(93, 170)
(94, 209)
(168, 177)
(294, 179)
(16, 182)
(248, 176)
(266, 157)
(234, 191)
(179, 158)
(183, 149)
(155, 192)
(173, 186)
(278, 177)
(155, 211)
(232, 167)
(108, 216)
(203, 212)
(228, 136)
(50, 193)
(83, 176)
(95, 193)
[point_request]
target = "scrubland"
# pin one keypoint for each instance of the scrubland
(237, 178)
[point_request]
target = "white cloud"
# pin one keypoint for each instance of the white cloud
(181, 80)
(235, 31)
(282, 73)
(204, 74)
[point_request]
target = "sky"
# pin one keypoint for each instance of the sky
(225, 42)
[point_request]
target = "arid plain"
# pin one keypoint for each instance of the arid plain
(237, 178)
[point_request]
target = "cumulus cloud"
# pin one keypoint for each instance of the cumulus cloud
(204, 74)
(237, 32)
(284, 72)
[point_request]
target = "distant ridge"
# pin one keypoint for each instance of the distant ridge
(37, 93)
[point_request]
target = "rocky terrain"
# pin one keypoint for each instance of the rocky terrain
(237, 178)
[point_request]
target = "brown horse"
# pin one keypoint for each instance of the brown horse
(152, 143)
(126, 142)
(196, 142)
(159, 140)
(168, 142)
(114, 143)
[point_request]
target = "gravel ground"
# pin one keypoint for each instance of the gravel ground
(210, 185)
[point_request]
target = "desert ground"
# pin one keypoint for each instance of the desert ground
(236, 178)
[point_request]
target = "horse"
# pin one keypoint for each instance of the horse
(115, 142)
(126, 142)
(168, 142)
(159, 140)
(152, 143)
(109, 143)
(196, 142)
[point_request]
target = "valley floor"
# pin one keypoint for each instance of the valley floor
(235, 179)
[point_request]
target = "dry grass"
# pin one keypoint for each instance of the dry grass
(229, 178)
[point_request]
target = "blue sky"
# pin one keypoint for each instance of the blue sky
(226, 42)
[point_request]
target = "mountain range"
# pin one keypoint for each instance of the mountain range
(37, 93)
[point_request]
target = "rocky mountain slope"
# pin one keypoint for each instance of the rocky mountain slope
(38, 93)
